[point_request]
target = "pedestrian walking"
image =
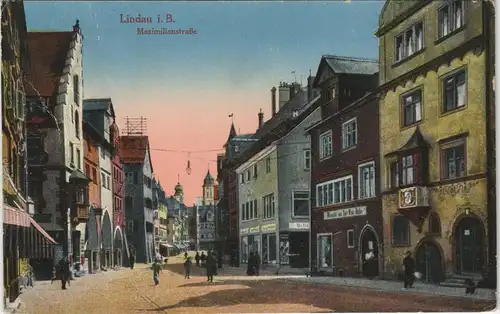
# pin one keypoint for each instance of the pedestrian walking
(251, 265)
(197, 259)
(257, 263)
(132, 260)
(156, 272)
(54, 275)
(187, 268)
(219, 260)
(409, 270)
(203, 258)
(64, 271)
(210, 267)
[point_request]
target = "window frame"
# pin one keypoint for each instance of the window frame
(268, 164)
(322, 154)
(344, 134)
(326, 183)
(242, 178)
(318, 236)
(443, 148)
(449, 6)
(404, 105)
(301, 198)
(396, 243)
(353, 245)
(269, 211)
(403, 36)
(307, 159)
(360, 179)
(76, 89)
(430, 224)
(255, 170)
(453, 75)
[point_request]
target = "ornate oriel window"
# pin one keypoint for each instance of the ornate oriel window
(408, 166)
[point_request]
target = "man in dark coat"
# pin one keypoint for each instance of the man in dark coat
(132, 260)
(65, 271)
(409, 270)
(203, 258)
(197, 259)
(251, 265)
(210, 267)
(257, 263)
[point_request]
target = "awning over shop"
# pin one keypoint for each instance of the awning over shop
(165, 244)
(13, 216)
(42, 231)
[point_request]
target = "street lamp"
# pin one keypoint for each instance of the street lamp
(31, 206)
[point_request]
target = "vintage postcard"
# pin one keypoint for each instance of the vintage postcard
(248, 157)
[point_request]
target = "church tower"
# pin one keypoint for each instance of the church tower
(179, 193)
(208, 189)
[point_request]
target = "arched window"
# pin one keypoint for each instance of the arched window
(434, 224)
(400, 231)
(77, 124)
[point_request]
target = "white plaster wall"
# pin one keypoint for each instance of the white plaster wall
(67, 107)
(56, 139)
(106, 193)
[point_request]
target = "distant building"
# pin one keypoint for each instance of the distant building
(99, 114)
(136, 158)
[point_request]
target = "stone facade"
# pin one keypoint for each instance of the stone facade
(447, 218)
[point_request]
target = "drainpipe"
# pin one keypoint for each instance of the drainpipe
(308, 136)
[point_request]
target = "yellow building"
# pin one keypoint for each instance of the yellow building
(434, 72)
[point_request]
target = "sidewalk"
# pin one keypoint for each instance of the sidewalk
(268, 271)
(396, 286)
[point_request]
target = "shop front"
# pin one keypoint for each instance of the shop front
(269, 244)
(250, 242)
(298, 239)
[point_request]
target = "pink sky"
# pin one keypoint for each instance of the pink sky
(186, 124)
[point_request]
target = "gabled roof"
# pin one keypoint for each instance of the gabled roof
(285, 113)
(133, 149)
(99, 104)
(283, 124)
(347, 65)
(232, 132)
(48, 51)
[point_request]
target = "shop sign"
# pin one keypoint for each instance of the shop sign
(298, 225)
(254, 229)
(268, 227)
(345, 213)
(244, 231)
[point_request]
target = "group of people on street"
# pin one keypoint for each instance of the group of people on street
(209, 262)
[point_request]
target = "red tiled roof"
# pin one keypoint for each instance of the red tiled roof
(47, 51)
(133, 149)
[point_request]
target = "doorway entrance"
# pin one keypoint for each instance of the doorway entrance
(429, 262)
(369, 253)
(469, 246)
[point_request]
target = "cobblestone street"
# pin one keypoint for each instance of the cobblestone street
(128, 291)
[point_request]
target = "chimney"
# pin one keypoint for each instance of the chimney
(310, 88)
(284, 94)
(261, 118)
(273, 101)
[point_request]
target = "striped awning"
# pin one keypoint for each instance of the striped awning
(42, 231)
(14, 216)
